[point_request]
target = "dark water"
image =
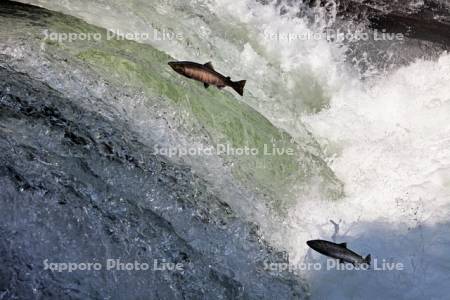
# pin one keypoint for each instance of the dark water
(76, 187)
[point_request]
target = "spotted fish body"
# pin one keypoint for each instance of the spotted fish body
(206, 74)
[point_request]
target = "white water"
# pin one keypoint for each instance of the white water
(391, 142)
(387, 139)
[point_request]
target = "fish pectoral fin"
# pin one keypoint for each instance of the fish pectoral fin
(209, 65)
(206, 85)
(343, 245)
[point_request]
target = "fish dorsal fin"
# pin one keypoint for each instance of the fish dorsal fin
(343, 245)
(209, 65)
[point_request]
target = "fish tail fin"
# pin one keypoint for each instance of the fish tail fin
(238, 86)
(367, 259)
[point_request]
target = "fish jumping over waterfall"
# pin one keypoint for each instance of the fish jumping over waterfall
(206, 74)
(339, 251)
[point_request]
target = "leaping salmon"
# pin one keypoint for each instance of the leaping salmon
(206, 74)
(339, 251)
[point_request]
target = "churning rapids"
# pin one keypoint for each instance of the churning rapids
(358, 131)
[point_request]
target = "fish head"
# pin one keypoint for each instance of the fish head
(177, 66)
(314, 243)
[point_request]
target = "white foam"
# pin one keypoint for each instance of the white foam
(389, 142)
